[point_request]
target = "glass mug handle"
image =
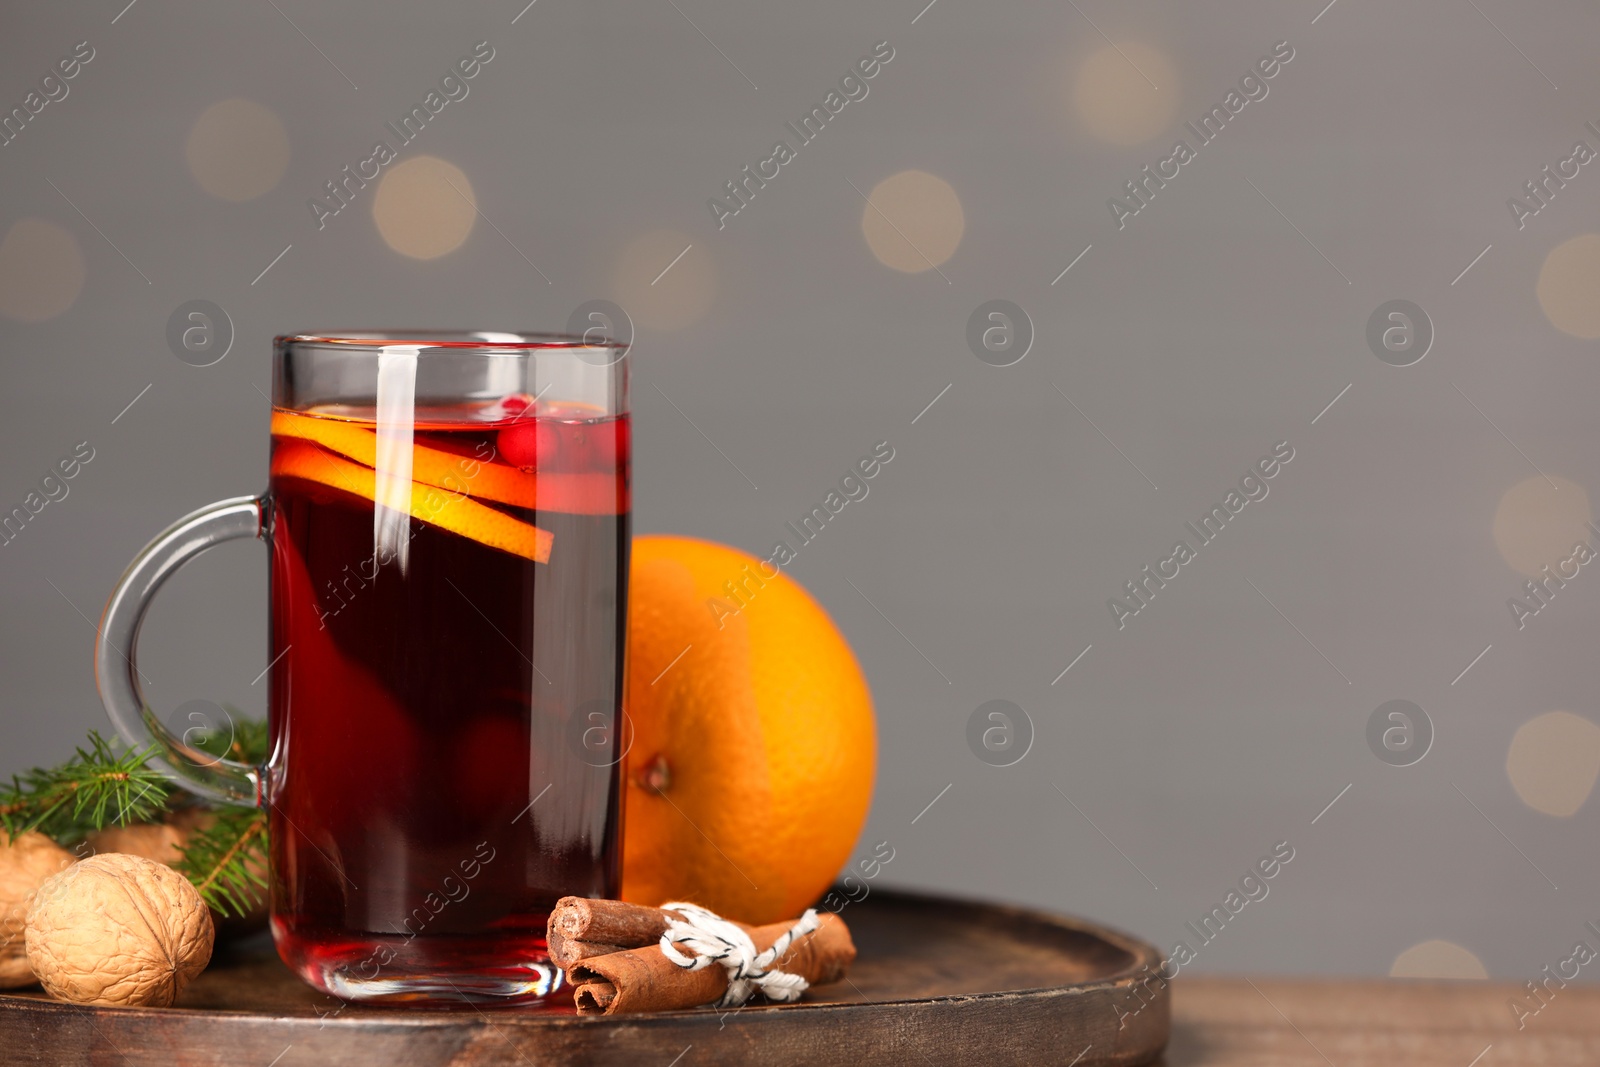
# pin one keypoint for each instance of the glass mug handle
(116, 650)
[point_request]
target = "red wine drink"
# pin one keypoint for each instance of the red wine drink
(447, 691)
(448, 526)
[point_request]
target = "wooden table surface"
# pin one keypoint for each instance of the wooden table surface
(937, 981)
(1265, 1022)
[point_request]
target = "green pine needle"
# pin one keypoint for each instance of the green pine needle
(98, 787)
(105, 785)
(242, 740)
(225, 860)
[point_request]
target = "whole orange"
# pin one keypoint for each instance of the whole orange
(754, 744)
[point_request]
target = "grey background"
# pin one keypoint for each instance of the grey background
(1196, 339)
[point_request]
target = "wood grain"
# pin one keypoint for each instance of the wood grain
(1261, 1023)
(936, 981)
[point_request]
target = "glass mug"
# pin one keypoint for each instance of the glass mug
(448, 523)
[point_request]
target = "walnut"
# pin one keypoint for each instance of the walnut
(153, 841)
(229, 927)
(24, 864)
(118, 929)
(164, 843)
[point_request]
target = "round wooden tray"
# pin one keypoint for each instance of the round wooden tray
(936, 981)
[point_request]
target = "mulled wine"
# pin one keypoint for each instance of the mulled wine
(448, 617)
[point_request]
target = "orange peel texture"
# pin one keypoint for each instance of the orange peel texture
(590, 493)
(431, 504)
(755, 745)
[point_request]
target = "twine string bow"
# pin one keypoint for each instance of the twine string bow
(716, 940)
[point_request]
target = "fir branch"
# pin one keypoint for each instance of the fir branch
(99, 786)
(225, 859)
(105, 785)
(242, 740)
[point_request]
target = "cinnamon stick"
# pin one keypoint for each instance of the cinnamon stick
(580, 928)
(594, 998)
(613, 922)
(644, 979)
(564, 953)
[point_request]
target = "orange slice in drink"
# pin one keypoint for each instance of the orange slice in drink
(596, 493)
(456, 513)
